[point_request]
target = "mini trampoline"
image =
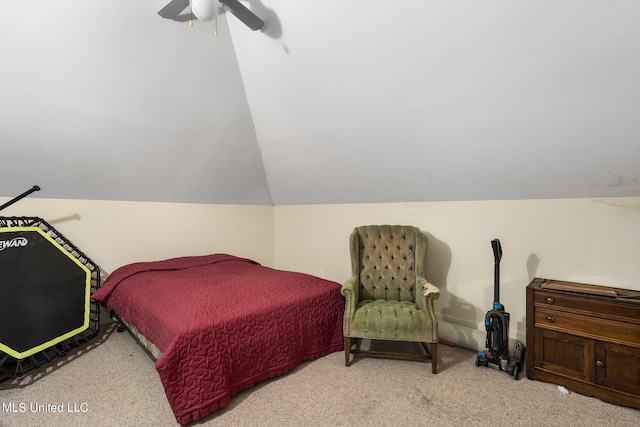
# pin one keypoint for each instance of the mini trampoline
(45, 294)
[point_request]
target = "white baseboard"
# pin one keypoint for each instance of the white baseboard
(472, 339)
(461, 336)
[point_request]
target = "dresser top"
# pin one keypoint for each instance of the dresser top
(583, 288)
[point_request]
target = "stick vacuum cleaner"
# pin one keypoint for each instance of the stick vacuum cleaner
(496, 321)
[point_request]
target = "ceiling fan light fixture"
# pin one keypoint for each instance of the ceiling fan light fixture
(205, 10)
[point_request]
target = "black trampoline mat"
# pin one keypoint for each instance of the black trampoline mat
(44, 291)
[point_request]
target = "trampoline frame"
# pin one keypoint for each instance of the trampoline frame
(11, 367)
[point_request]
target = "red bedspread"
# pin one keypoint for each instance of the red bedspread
(224, 323)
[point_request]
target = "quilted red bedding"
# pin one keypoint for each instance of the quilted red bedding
(224, 323)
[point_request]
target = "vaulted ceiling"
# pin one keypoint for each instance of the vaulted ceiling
(363, 101)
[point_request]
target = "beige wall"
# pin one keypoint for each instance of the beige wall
(117, 233)
(592, 241)
(584, 240)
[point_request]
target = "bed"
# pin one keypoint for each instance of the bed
(218, 324)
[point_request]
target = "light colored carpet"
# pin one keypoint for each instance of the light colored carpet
(112, 382)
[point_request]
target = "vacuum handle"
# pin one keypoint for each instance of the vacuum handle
(497, 256)
(22, 196)
(497, 250)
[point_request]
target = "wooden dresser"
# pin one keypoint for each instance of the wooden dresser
(585, 338)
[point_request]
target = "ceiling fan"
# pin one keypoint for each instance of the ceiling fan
(207, 10)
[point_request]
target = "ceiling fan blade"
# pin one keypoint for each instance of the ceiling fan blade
(243, 14)
(173, 9)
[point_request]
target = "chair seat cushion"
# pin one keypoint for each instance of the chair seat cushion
(390, 320)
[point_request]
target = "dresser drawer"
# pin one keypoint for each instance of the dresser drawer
(588, 326)
(604, 306)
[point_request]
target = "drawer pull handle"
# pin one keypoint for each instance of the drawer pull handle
(550, 300)
(551, 319)
(599, 364)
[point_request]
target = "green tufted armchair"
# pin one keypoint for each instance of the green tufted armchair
(387, 296)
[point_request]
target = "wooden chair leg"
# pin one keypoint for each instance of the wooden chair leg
(347, 349)
(434, 357)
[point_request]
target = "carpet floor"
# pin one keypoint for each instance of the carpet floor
(112, 382)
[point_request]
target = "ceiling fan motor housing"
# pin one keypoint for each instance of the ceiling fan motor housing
(205, 10)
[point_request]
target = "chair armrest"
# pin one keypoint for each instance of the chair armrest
(426, 295)
(351, 290)
(431, 291)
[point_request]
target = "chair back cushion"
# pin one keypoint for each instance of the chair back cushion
(388, 258)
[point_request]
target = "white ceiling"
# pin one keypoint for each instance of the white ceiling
(362, 101)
